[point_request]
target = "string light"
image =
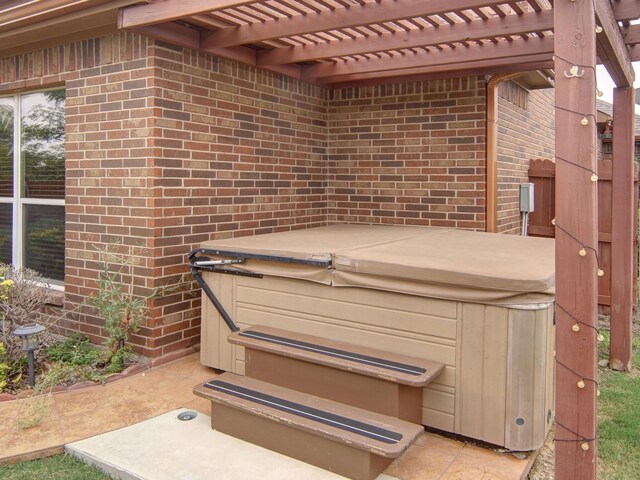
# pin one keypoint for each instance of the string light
(598, 29)
(578, 71)
(594, 175)
(576, 327)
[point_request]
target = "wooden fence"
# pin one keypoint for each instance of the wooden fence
(542, 174)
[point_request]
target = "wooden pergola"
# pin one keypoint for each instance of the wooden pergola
(356, 42)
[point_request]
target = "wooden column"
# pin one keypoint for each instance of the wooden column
(576, 240)
(622, 223)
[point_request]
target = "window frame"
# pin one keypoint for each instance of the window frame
(18, 200)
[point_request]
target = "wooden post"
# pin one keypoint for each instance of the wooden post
(622, 223)
(576, 240)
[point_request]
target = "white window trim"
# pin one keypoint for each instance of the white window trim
(18, 202)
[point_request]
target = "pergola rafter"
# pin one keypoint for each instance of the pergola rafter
(345, 41)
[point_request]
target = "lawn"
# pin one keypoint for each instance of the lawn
(60, 467)
(619, 418)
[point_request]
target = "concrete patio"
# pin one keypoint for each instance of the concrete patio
(80, 414)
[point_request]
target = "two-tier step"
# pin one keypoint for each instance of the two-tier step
(345, 408)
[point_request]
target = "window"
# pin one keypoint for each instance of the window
(32, 170)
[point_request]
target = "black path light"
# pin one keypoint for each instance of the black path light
(29, 335)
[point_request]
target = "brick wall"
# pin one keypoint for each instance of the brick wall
(408, 154)
(525, 131)
(108, 151)
(167, 148)
(238, 152)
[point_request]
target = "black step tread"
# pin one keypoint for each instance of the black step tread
(344, 356)
(369, 431)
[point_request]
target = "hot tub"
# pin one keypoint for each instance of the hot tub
(480, 303)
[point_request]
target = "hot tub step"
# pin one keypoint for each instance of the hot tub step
(343, 439)
(367, 378)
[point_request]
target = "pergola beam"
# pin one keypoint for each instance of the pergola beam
(479, 67)
(631, 34)
(476, 30)
(625, 10)
(190, 38)
(611, 48)
(162, 11)
(368, 13)
(517, 51)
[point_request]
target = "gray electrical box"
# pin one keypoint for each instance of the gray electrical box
(526, 197)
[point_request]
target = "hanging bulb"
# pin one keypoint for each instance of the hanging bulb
(585, 446)
(575, 327)
(600, 337)
(594, 177)
(599, 93)
(574, 70)
(598, 29)
(584, 121)
(598, 393)
(581, 384)
(553, 221)
(582, 252)
(600, 272)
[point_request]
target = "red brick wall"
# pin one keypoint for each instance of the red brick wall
(109, 159)
(525, 131)
(237, 152)
(167, 148)
(408, 154)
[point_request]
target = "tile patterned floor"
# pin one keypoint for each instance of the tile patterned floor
(71, 416)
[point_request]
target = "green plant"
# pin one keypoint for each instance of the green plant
(75, 350)
(4, 367)
(123, 311)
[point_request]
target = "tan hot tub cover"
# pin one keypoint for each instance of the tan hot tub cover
(435, 262)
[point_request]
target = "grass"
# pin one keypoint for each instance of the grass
(59, 467)
(619, 419)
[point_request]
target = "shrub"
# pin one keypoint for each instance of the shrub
(75, 350)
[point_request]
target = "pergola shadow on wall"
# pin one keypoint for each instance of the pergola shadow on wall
(342, 43)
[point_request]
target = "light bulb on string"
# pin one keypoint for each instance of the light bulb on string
(575, 327)
(598, 29)
(600, 337)
(582, 252)
(600, 272)
(585, 446)
(581, 384)
(584, 121)
(594, 177)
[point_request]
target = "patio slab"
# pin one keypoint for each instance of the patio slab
(129, 402)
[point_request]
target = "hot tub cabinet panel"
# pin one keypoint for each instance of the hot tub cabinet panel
(497, 385)
(498, 358)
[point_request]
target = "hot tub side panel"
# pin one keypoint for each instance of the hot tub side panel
(409, 325)
(504, 382)
(477, 393)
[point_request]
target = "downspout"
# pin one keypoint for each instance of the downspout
(491, 191)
